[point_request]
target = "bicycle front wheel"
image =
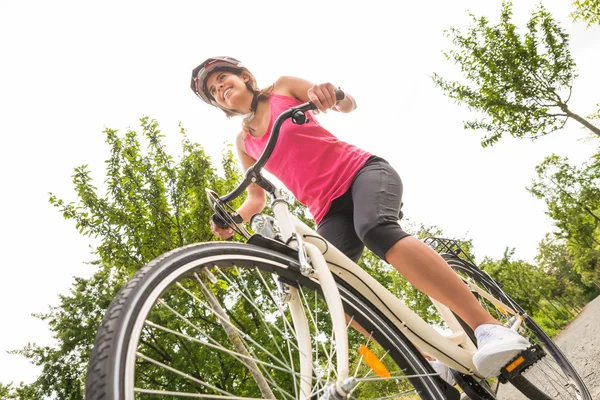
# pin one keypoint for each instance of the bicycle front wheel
(208, 321)
(553, 377)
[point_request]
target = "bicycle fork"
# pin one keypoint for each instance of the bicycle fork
(313, 264)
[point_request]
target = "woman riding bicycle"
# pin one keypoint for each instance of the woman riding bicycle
(354, 196)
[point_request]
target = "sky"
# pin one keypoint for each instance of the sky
(70, 69)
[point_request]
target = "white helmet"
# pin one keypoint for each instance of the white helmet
(202, 71)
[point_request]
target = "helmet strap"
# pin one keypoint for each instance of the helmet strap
(255, 94)
(254, 102)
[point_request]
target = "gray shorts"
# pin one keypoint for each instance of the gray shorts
(368, 213)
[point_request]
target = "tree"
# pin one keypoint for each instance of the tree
(572, 195)
(521, 84)
(153, 204)
(22, 392)
(531, 287)
(73, 323)
(553, 257)
(587, 11)
(5, 391)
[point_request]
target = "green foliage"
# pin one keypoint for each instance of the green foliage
(73, 323)
(520, 83)
(572, 195)
(5, 391)
(22, 392)
(553, 257)
(587, 11)
(151, 204)
(544, 290)
(547, 323)
(596, 114)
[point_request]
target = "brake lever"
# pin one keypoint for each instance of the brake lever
(220, 223)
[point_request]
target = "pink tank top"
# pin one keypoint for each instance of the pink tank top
(312, 163)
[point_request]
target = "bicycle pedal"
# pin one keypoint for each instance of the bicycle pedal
(521, 362)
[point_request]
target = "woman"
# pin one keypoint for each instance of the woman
(355, 197)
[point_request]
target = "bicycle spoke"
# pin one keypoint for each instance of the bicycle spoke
(550, 377)
(310, 314)
(291, 363)
(392, 396)
(361, 356)
(184, 334)
(181, 317)
(183, 374)
(395, 377)
(221, 348)
(551, 382)
(260, 312)
(228, 323)
(330, 366)
(196, 395)
(281, 311)
(370, 370)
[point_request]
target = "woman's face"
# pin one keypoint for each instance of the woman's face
(229, 90)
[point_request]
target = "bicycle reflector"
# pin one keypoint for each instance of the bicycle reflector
(374, 362)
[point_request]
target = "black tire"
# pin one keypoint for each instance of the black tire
(557, 372)
(130, 326)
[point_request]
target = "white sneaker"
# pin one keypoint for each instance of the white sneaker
(498, 345)
(444, 371)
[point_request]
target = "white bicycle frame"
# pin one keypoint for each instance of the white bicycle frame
(455, 350)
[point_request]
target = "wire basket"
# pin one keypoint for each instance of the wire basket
(448, 246)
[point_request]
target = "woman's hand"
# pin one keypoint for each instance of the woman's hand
(323, 96)
(223, 233)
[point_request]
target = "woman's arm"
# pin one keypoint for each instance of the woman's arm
(323, 95)
(256, 200)
(254, 203)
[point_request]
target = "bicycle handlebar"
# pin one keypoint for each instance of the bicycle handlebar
(298, 116)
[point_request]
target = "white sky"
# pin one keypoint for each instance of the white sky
(68, 69)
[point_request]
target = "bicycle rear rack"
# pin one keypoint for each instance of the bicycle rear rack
(448, 246)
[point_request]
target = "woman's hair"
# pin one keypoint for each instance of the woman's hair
(262, 95)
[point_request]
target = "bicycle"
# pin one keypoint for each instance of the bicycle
(270, 318)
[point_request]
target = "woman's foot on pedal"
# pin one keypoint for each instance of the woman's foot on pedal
(498, 345)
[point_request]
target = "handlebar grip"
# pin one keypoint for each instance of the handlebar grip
(339, 95)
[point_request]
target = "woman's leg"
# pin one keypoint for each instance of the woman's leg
(377, 196)
(429, 273)
(337, 227)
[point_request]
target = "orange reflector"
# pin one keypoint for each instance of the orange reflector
(515, 364)
(502, 310)
(373, 361)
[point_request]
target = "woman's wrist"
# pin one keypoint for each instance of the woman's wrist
(346, 105)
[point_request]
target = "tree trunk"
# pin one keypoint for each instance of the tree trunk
(556, 324)
(581, 120)
(565, 307)
(560, 313)
(573, 303)
(235, 339)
